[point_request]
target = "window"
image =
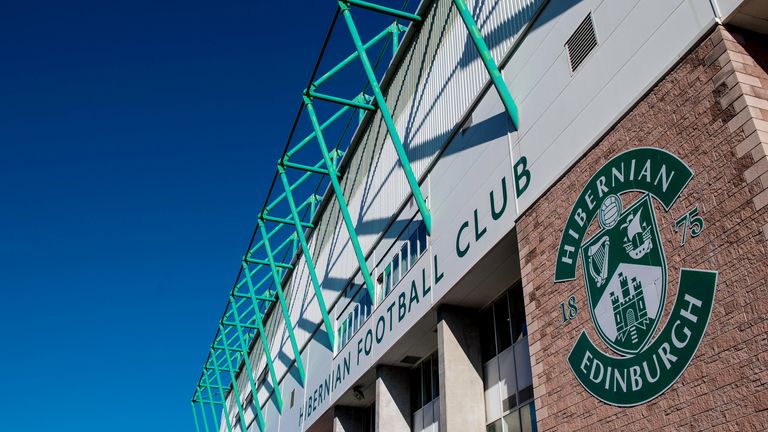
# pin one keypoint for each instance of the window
(425, 392)
(353, 310)
(404, 262)
(385, 282)
(395, 271)
(352, 317)
(424, 382)
(506, 365)
(408, 249)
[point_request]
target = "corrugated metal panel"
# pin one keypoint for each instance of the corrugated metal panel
(437, 81)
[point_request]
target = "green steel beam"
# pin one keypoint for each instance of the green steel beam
(342, 201)
(280, 247)
(315, 199)
(311, 136)
(267, 263)
(225, 409)
(217, 388)
(269, 295)
(490, 64)
(244, 325)
(285, 243)
(224, 347)
(335, 154)
(387, 117)
(209, 402)
(260, 298)
(307, 255)
(285, 221)
(306, 168)
(247, 361)
(277, 228)
(201, 401)
(235, 390)
(346, 102)
(392, 28)
(194, 415)
(395, 39)
(212, 407)
(267, 353)
(383, 9)
(277, 200)
(202, 411)
(283, 305)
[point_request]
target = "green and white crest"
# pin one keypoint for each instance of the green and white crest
(625, 277)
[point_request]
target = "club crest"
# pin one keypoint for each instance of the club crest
(625, 276)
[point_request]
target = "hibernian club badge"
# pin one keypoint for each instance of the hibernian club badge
(625, 276)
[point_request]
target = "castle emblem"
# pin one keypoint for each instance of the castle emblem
(629, 311)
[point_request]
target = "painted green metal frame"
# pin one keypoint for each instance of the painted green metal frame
(488, 62)
(245, 311)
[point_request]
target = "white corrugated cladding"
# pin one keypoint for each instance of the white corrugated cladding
(438, 79)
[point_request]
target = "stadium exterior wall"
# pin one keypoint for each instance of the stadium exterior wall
(694, 114)
(664, 74)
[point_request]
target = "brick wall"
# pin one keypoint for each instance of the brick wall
(720, 133)
(742, 86)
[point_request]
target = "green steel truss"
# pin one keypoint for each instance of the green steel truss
(285, 225)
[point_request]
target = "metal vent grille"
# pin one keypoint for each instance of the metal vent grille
(582, 42)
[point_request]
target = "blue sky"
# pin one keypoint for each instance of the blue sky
(137, 140)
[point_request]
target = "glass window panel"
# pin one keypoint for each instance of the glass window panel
(494, 427)
(365, 304)
(380, 284)
(528, 418)
(395, 271)
(404, 258)
(512, 421)
(413, 245)
(435, 376)
(492, 396)
(387, 279)
(523, 364)
(422, 231)
(501, 316)
(517, 308)
(426, 380)
(487, 338)
(415, 389)
(525, 394)
(507, 380)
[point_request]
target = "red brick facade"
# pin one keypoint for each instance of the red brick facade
(720, 133)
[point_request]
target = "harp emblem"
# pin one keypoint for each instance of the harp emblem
(598, 259)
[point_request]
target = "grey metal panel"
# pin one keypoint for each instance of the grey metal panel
(437, 81)
(725, 8)
(562, 114)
